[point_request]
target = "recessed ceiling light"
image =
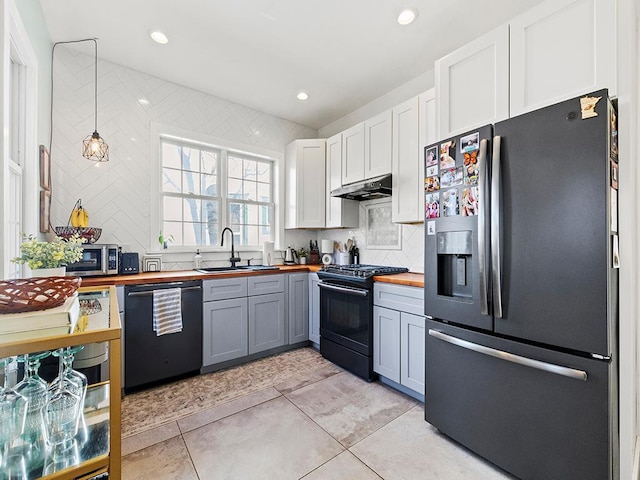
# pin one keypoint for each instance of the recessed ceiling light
(407, 16)
(159, 37)
(303, 96)
(143, 101)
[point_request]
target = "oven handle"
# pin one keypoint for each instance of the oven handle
(349, 290)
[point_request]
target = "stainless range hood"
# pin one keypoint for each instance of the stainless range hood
(366, 190)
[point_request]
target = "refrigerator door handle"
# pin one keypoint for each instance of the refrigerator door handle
(496, 254)
(482, 247)
(510, 357)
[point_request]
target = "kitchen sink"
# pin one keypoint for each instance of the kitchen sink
(241, 268)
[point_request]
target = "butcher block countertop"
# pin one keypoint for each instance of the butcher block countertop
(408, 279)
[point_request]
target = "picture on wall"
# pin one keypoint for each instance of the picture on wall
(45, 210)
(45, 168)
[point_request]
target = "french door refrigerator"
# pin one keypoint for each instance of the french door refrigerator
(521, 293)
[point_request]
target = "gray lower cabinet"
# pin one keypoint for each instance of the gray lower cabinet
(398, 335)
(298, 307)
(225, 330)
(314, 308)
(266, 322)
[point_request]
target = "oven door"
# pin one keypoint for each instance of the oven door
(346, 314)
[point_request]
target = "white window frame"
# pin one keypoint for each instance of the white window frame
(18, 176)
(159, 131)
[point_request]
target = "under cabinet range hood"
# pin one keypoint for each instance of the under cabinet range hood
(366, 190)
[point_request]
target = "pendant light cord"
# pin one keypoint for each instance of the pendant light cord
(53, 51)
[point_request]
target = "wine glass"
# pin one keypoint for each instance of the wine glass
(61, 410)
(75, 381)
(13, 412)
(35, 390)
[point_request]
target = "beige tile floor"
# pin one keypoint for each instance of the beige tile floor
(326, 424)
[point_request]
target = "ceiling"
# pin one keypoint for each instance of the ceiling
(261, 53)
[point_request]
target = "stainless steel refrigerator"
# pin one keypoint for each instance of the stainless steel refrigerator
(521, 290)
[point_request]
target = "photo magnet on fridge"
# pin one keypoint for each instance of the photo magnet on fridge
(471, 174)
(614, 210)
(470, 143)
(432, 184)
(432, 171)
(614, 174)
(451, 177)
(448, 154)
(469, 205)
(432, 205)
(430, 156)
(450, 206)
(431, 227)
(615, 248)
(613, 134)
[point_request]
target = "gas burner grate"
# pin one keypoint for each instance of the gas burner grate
(362, 271)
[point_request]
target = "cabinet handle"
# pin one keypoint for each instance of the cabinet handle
(150, 292)
(510, 357)
(496, 253)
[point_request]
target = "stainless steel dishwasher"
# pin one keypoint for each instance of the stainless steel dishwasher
(151, 359)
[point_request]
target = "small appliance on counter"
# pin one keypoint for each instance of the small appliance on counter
(97, 260)
(129, 263)
(327, 251)
(290, 256)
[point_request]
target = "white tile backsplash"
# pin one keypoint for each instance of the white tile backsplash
(117, 194)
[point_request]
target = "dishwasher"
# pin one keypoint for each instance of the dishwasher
(151, 359)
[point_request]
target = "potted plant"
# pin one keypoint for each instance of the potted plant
(165, 239)
(49, 258)
(302, 255)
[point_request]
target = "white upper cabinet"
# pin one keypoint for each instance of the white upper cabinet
(414, 127)
(472, 84)
(305, 184)
(407, 198)
(377, 145)
(340, 213)
(557, 50)
(561, 49)
(353, 154)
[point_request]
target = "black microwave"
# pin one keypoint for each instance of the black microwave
(96, 260)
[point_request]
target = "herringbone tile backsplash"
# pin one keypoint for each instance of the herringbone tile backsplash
(118, 194)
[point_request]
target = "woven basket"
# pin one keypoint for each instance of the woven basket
(30, 294)
(90, 234)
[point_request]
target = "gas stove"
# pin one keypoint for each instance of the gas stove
(357, 272)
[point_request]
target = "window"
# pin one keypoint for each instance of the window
(205, 188)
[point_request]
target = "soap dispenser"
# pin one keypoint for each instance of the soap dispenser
(197, 260)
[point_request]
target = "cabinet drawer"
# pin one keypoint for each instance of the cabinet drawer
(398, 297)
(224, 288)
(265, 284)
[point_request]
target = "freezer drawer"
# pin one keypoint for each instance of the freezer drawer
(533, 420)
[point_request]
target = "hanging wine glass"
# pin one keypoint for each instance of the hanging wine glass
(35, 390)
(13, 411)
(75, 381)
(61, 411)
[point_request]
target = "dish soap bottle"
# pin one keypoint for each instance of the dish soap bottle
(197, 260)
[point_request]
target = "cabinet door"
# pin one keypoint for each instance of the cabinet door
(386, 343)
(314, 308)
(472, 84)
(267, 325)
(408, 184)
(298, 307)
(412, 351)
(340, 213)
(377, 145)
(353, 154)
(224, 330)
(305, 184)
(560, 50)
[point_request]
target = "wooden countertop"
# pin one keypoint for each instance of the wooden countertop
(408, 279)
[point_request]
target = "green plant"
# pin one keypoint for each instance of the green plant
(38, 254)
(164, 240)
(301, 252)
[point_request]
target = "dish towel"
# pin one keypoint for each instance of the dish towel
(167, 311)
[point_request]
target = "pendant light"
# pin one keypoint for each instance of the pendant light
(93, 146)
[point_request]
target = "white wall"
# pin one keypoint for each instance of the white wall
(117, 194)
(398, 95)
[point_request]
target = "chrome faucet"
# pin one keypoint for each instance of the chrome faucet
(233, 258)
